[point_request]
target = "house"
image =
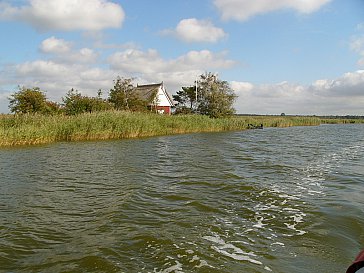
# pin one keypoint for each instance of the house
(157, 94)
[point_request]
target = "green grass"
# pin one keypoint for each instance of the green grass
(41, 129)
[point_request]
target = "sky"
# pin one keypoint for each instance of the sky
(302, 57)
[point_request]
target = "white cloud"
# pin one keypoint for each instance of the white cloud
(84, 55)
(137, 61)
(149, 66)
(4, 96)
(59, 74)
(4, 101)
(66, 68)
(43, 68)
(54, 45)
(357, 45)
(342, 96)
(66, 15)
(193, 30)
(242, 87)
(63, 51)
(360, 26)
(7, 12)
(58, 78)
(205, 60)
(242, 10)
(350, 84)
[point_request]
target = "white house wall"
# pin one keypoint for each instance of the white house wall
(162, 99)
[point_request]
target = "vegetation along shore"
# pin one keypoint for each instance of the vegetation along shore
(133, 111)
(29, 129)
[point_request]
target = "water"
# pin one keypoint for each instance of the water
(272, 200)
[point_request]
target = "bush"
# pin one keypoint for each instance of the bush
(74, 103)
(30, 100)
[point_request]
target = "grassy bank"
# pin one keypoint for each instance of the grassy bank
(40, 129)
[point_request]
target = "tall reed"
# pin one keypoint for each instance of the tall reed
(40, 129)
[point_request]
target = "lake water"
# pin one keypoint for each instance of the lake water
(272, 200)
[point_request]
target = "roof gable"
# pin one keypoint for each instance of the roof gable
(149, 91)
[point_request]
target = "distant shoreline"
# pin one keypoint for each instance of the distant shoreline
(17, 130)
(320, 117)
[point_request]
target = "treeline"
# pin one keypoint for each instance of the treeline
(122, 96)
(208, 96)
(342, 117)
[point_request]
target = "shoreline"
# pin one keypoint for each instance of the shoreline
(25, 130)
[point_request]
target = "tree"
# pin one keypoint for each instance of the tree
(53, 108)
(29, 100)
(186, 100)
(74, 103)
(124, 97)
(99, 104)
(215, 97)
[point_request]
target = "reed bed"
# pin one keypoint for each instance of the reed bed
(42, 129)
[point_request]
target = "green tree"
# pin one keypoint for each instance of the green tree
(186, 100)
(53, 108)
(215, 98)
(118, 94)
(29, 100)
(99, 104)
(123, 96)
(74, 103)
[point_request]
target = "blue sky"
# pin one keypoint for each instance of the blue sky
(291, 56)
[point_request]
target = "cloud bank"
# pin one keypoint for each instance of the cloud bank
(242, 10)
(65, 66)
(149, 62)
(342, 96)
(66, 15)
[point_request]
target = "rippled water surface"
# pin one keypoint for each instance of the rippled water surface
(272, 200)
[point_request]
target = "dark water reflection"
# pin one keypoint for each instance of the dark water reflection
(273, 200)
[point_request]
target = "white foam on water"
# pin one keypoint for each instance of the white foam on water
(238, 257)
(298, 218)
(312, 177)
(291, 197)
(259, 220)
(202, 263)
(242, 242)
(291, 209)
(175, 264)
(290, 226)
(278, 243)
(177, 268)
(231, 250)
(194, 258)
